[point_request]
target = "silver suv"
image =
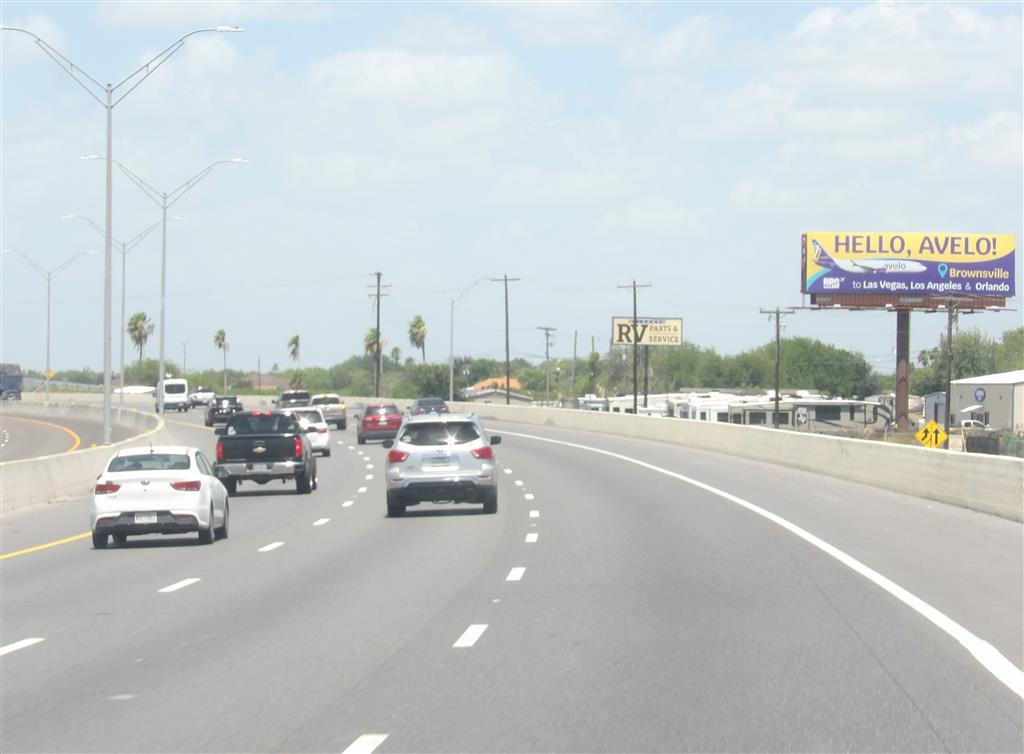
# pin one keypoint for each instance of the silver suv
(439, 458)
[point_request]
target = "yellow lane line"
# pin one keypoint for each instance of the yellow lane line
(47, 546)
(72, 449)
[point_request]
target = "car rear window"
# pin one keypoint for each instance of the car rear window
(441, 433)
(261, 424)
(297, 395)
(391, 410)
(310, 416)
(151, 462)
(324, 401)
(174, 388)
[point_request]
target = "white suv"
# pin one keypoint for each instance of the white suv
(441, 457)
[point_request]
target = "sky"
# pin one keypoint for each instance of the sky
(575, 146)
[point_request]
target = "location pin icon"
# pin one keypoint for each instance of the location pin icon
(943, 270)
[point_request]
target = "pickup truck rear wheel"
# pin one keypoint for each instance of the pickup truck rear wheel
(303, 483)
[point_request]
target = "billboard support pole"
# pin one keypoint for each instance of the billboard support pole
(902, 403)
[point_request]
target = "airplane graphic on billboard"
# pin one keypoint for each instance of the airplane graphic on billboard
(864, 266)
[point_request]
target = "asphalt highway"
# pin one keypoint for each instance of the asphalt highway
(628, 596)
(28, 435)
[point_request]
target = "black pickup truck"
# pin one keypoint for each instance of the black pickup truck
(261, 446)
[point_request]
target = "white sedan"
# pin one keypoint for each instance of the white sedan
(316, 428)
(164, 489)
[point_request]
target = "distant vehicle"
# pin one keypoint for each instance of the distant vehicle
(221, 408)
(441, 458)
(291, 398)
(379, 421)
(428, 406)
(11, 380)
(201, 396)
(315, 425)
(864, 266)
(973, 424)
(262, 446)
(175, 392)
(333, 407)
(162, 489)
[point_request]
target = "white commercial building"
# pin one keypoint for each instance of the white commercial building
(996, 400)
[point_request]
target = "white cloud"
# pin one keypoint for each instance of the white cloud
(818, 20)
(161, 13)
(533, 185)
(761, 193)
(563, 23)
(692, 38)
(656, 214)
(994, 141)
(415, 79)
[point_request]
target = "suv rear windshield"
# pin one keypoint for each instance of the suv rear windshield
(324, 400)
(295, 395)
(222, 399)
(391, 410)
(150, 462)
(261, 424)
(441, 433)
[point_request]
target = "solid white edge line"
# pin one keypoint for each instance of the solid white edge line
(271, 546)
(531, 537)
(178, 585)
(321, 521)
(470, 636)
(366, 743)
(20, 644)
(987, 655)
(516, 574)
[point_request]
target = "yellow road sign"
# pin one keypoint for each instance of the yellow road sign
(50, 374)
(931, 435)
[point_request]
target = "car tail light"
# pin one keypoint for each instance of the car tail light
(220, 450)
(298, 447)
(484, 454)
(185, 518)
(192, 486)
(321, 430)
(105, 488)
(397, 456)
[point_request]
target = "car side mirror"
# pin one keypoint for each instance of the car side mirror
(495, 439)
(220, 431)
(388, 444)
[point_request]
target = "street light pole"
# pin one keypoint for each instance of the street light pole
(91, 86)
(451, 338)
(49, 275)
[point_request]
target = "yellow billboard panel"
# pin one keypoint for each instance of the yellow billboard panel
(647, 331)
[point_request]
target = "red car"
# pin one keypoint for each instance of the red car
(378, 421)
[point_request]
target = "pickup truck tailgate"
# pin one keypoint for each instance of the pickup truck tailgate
(259, 448)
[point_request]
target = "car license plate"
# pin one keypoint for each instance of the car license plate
(441, 461)
(145, 518)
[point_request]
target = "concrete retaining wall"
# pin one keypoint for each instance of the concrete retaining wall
(42, 480)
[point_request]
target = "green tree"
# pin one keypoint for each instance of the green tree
(139, 329)
(220, 340)
(294, 353)
(370, 342)
(418, 335)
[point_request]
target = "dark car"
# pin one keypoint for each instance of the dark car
(378, 421)
(221, 408)
(293, 398)
(428, 406)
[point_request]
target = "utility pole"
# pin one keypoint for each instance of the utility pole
(184, 358)
(575, 336)
(376, 349)
(634, 285)
(647, 371)
(259, 374)
(778, 314)
(950, 317)
(547, 361)
(508, 362)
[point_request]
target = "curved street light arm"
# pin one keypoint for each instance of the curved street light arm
(128, 246)
(183, 189)
(65, 64)
(73, 257)
(32, 262)
(98, 228)
(473, 285)
(148, 190)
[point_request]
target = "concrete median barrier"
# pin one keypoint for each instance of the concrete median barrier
(42, 480)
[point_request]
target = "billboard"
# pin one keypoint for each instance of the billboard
(918, 264)
(647, 331)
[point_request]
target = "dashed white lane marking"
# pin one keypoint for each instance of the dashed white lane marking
(528, 496)
(516, 574)
(178, 585)
(321, 521)
(534, 514)
(120, 697)
(988, 656)
(361, 490)
(470, 636)
(531, 537)
(271, 546)
(519, 483)
(369, 477)
(369, 465)
(508, 471)
(347, 504)
(20, 644)
(366, 743)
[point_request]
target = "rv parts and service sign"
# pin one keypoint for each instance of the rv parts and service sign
(936, 264)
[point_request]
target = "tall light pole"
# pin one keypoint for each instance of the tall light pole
(49, 275)
(165, 200)
(451, 337)
(91, 87)
(126, 246)
(184, 358)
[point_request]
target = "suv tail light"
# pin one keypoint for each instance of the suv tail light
(220, 450)
(193, 486)
(105, 488)
(298, 447)
(484, 454)
(321, 430)
(397, 456)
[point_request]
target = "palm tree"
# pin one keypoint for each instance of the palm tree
(418, 335)
(370, 342)
(139, 329)
(293, 349)
(396, 356)
(220, 340)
